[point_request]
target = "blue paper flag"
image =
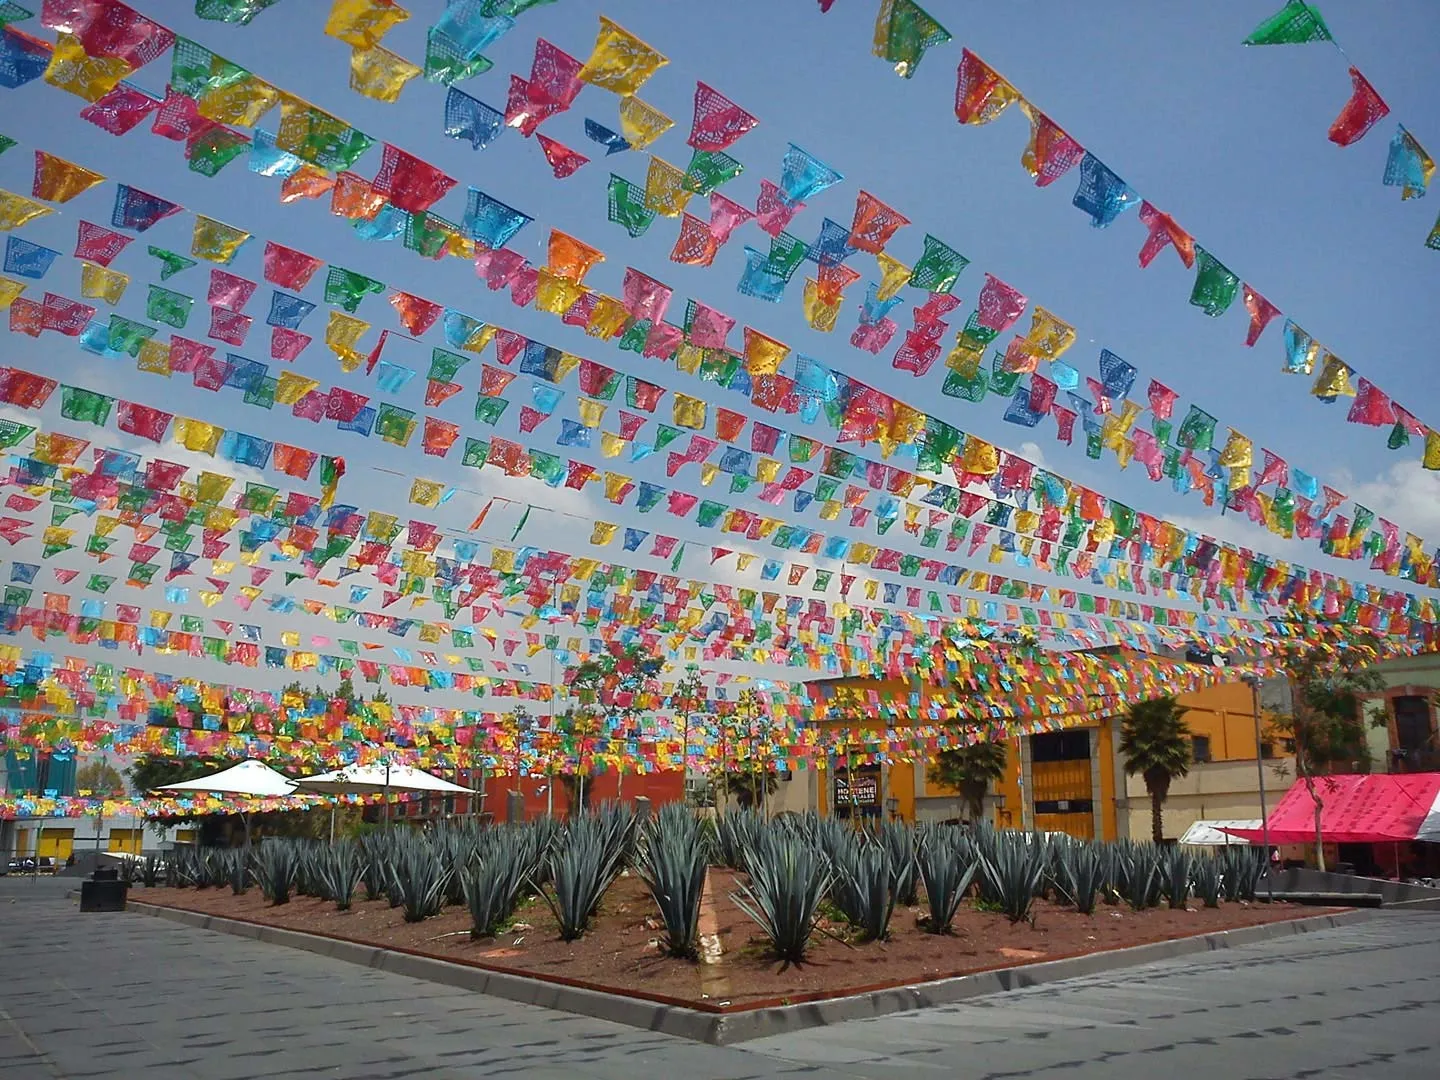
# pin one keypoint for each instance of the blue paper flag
(393, 377)
(1102, 194)
(20, 60)
(634, 538)
(388, 224)
(267, 159)
(288, 311)
(613, 142)
(649, 496)
(491, 222)
(138, 210)
(471, 119)
(1115, 374)
(803, 175)
(459, 328)
(546, 397)
(876, 309)
(95, 339)
(24, 259)
(469, 24)
(1019, 411)
(362, 422)
(832, 246)
(573, 433)
(1405, 167)
(246, 449)
(759, 280)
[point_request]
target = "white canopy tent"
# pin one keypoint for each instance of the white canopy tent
(1212, 833)
(383, 779)
(253, 778)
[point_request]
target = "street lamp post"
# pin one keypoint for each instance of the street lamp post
(1254, 681)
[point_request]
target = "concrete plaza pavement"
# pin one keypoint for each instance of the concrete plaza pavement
(129, 996)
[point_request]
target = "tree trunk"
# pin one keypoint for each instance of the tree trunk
(1157, 820)
(1319, 811)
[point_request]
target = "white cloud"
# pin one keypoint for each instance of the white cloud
(1405, 493)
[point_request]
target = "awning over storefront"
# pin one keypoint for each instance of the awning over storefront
(1214, 834)
(1358, 809)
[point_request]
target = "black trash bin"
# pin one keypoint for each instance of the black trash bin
(104, 891)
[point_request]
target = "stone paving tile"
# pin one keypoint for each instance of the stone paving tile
(124, 996)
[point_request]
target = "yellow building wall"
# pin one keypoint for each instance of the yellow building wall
(56, 843)
(125, 841)
(897, 780)
(1223, 713)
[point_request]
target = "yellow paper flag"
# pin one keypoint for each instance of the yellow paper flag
(291, 387)
(241, 102)
(893, 275)
(763, 354)
(821, 312)
(379, 73)
(620, 62)
(342, 335)
(611, 445)
(602, 533)
(689, 412)
(16, 210)
(665, 190)
(216, 241)
(362, 23)
(1334, 379)
(1432, 450)
(641, 124)
(556, 295)
(9, 290)
(89, 77)
(591, 412)
(426, 492)
(58, 180)
(154, 357)
(197, 435)
(102, 283)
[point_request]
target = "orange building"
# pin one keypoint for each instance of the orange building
(1073, 780)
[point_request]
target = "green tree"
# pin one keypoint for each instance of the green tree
(99, 778)
(1155, 742)
(607, 688)
(969, 771)
(1326, 723)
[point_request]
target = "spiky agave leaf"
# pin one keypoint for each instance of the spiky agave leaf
(787, 880)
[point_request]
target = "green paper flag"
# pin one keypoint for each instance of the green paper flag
(786, 254)
(709, 169)
(444, 365)
(170, 308)
(1198, 430)
(1399, 436)
(213, 149)
(6, 143)
(488, 410)
(77, 403)
(1297, 23)
(239, 12)
(476, 451)
(12, 12)
(627, 206)
(12, 433)
(394, 425)
(903, 31)
(170, 263)
(261, 391)
(346, 289)
(938, 267)
(127, 336)
(521, 523)
(1215, 285)
(100, 583)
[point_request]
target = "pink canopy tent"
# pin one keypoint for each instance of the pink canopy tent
(1359, 809)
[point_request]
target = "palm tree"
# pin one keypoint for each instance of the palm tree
(970, 770)
(1156, 743)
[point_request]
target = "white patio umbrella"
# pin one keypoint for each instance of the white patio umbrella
(253, 778)
(383, 778)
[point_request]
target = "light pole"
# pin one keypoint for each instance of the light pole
(1254, 681)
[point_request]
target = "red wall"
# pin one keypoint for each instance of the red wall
(659, 787)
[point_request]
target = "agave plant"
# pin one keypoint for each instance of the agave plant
(672, 859)
(1086, 868)
(787, 880)
(1013, 871)
(503, 860)
(235, 867)
(1242, 869)
(150, 871)
(1205, 874)
(581, 870)
(735, 833)
(419, 876)
(375, 849)
(275, 868)
(1175, 876)
(861, 886)
(900, 841)
(947, 870)
(340, 869)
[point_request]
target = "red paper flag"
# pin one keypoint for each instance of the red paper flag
(709, 328)
(1261, 312)
(229, 291)
(410, 184)
(293, 461)
(98, 245)
(439, 436)
(437, 392)
(1162, 399)
(108, 28)
(286, 344)
(68, 317)
(1371, 406)
(26, 317)
(1364, 109)
(121, 110)
(229, 326)
(416, 315)
(645, 297)
(563, 161)
(1163, 231)
(142, 420)
(288, 268)
(726, 215)
(344, 405)
(718, 121)
(999, 304)
(773, 210)
(1051, 152)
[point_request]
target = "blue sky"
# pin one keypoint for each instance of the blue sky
(1229, 140)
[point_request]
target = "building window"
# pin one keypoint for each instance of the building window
(1064, 806)
(1267, 750)
(1200, 749)
(1061, 746)
(1412, 723)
